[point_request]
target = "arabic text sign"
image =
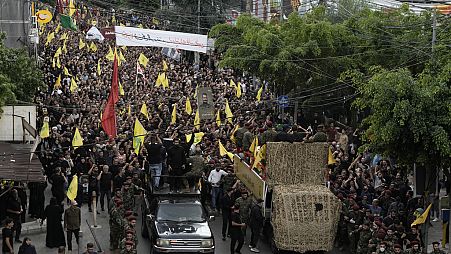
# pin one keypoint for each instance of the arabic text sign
(132, 36)
(249, 178)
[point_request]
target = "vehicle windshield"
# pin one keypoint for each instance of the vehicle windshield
(181, 213)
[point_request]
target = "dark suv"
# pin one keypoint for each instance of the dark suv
(177, 224)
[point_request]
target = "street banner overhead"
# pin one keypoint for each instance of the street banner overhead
(139, 37)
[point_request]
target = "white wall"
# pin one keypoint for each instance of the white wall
(11, 127)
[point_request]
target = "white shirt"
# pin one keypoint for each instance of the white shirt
(215, 176)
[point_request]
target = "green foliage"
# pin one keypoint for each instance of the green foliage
(19, 75)
(410, 117)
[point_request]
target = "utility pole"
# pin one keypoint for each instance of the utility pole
(434, 35)
(197, 54)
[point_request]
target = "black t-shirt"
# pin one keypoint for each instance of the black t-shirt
(13, 205)
(237, 219)
(105, 181)
(7, 233)
(154, 153)
(118, 181)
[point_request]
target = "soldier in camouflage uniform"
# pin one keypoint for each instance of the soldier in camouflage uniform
(364, 238)
(382, 249)
(245, 204)
(130, 226)
(436, 248)
(197, 166)
(128, 196)
(391, 239)
(129, 236)
(415, 248)
(397, 249)
(128, 248)
(116, 225)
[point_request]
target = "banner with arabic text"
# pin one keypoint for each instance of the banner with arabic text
(139, 37)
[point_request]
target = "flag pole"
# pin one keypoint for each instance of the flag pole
(136, 79)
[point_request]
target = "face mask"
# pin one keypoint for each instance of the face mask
(382, 249)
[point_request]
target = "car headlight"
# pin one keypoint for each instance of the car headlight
(163, 242)
(205, 243)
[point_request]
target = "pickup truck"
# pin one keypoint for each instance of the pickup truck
(176, 223)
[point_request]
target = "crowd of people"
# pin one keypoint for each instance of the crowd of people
(378, 204)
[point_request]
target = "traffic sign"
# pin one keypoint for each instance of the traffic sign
(282, 101)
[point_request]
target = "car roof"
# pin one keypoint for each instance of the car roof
(174, 200)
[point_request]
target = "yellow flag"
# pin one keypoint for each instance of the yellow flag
(228, 112)
(129, 110)
(330, 158)
(188, 108)
(197, 137)
(223, 151)
(259, 93)
(232, 135)
(77, 140)
(253, 147)
(72, 9)
(110, 55)
(113, 20)
(66, 72)
(57, 83)
(73, 85)
(261, 155)
(143, 60)
(165, 82)
(160, 79)
(63, 36)
(81, 44)
(121, 24)
(165, 66)
(73, 188)
(64, 47)
(99, 71)
(144, 110)
(218, 118)
(58, 28)
(238, 90)
(121, 90)
(121, 56)
(174, 114)
(422, 218)
(50, 37)
(232, 83)
(45, 131)
(93, 47)
(58, 52)
(58, 64)
(138, 135)
(197, 120)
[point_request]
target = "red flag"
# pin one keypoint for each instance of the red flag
(109, 114)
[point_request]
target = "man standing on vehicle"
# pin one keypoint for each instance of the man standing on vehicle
(236, 232)
(215, 178)
(154, 149)
(256, 221)
(176, 164)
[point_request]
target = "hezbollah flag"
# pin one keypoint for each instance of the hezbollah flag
(223, 151)
(423, 217)
(197, 137)
(138, 135)
(73, 188)
(45, 132)
(77, 141)
(330, 158)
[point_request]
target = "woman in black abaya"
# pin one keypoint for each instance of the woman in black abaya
(55, 234)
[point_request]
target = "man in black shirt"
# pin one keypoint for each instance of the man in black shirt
(154, 158)
(176, 164)
(7, 235)
(14, 209)
(236, 232)
(119, 179)
(106, 185)
(227, 204)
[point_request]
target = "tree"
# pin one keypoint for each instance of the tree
(19, 76)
